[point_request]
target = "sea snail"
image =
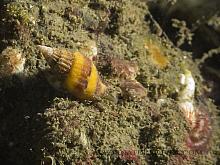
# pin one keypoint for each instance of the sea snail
(73, 72)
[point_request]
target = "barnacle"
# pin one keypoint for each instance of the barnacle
(123, 68)
(73, 72)
(11, 62)
(132, 89)
(127, 71)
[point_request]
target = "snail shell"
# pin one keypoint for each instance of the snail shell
(75, 72)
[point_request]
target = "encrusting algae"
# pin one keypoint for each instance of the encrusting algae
(75, 72)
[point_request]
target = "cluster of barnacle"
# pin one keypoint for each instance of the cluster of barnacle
(197, 116)
(127, 71)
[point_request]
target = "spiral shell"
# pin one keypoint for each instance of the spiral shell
(75, 72)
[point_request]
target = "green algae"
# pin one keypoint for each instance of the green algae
(46, 124)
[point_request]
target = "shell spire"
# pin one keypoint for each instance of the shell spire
(60, 59)
(75, 72)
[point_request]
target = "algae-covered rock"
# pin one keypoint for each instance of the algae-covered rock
(40, 124)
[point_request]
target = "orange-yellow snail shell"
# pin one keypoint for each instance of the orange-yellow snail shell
(75, 72)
